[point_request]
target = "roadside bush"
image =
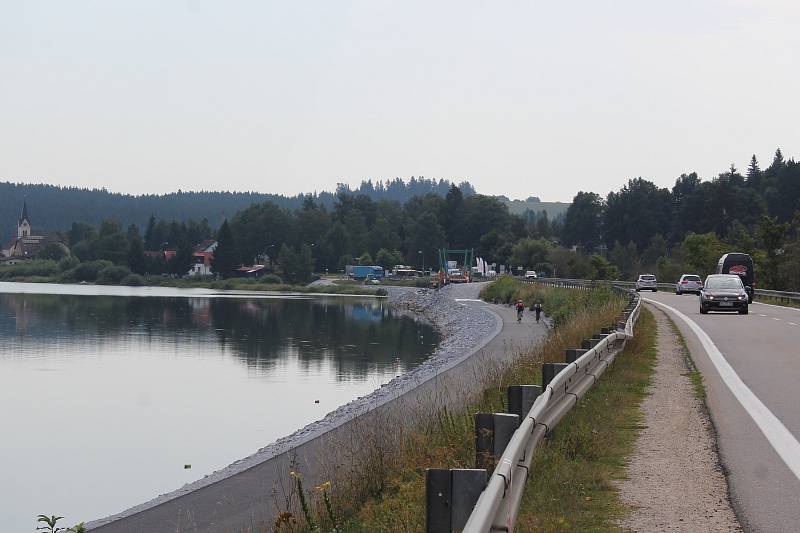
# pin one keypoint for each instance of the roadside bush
(67, 263)
(270, 279)
(38, 268)
(112, 275)
(87, 271)
(133, 280)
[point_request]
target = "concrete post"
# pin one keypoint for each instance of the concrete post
(492, 433)
(521, 398)
(549, 371)
(466, 487)
(450, 497)
(437, 501)
(573, 354)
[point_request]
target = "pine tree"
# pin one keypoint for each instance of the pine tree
(226, 256)
(149, 235)
(136, 260)
(754, 174)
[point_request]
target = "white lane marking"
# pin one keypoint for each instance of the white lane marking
(467, 300)
(781, 439)
(759, 314)
(779, 306)
(773, 318)
(792, 324)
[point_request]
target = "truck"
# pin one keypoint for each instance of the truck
(367, 272)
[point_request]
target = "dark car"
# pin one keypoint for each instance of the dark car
(723, 292)
(742, 266)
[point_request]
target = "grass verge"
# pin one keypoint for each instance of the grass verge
(777, 301)
(394, 500)
(573, 485)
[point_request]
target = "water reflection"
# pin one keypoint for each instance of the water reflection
(357, 335)
(105, 398)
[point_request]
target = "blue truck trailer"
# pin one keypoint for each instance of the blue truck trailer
(367, 272)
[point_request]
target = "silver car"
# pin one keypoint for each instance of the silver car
(646, 282)
(689, 283)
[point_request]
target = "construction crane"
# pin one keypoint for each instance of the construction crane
(458, 270)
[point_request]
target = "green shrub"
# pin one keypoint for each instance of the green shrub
(112, 275)
(87, 271)
(270, 279)
(39, 268)
(68, 263)
(133, 280)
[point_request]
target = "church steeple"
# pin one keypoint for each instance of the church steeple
(24, 223)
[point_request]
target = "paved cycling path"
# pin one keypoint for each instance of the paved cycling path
(751, 370)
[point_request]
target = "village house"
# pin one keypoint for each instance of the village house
(202, 258)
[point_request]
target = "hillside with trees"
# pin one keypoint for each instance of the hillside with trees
(56, 208)
(643, 227)
(639, 228)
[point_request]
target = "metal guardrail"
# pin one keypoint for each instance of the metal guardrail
(583, 283)
(451, 493)
(779, 295)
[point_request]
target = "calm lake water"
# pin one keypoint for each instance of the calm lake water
(105, 398)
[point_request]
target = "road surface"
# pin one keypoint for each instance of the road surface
(751, 370)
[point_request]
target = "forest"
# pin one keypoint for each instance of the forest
(638, 228)
(687, 228)
(56, 208)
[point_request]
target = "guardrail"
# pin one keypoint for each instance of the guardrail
(487, 498)
(583, 283)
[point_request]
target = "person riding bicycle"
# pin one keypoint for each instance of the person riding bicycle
(520, 308)
(538, 309)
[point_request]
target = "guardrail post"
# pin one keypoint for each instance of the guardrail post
(492, 433)
(438, 501)
(450, 497)
(521, 398)
(573, 354)
(467, 486)
(585, 344)
(549, 371)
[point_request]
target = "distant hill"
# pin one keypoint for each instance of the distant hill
(519, 207)
(56, 208)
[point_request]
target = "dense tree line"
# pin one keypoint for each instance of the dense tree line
(358, 229)
(55, 208)
(643, 226)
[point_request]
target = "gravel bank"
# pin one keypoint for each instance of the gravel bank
(238, 495)
(675, 482)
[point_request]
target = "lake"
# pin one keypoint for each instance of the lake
(109, 393)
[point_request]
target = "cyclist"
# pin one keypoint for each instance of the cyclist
(538, 309)
(520, 308)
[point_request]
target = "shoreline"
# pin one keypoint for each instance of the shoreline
(159, 291)
(464, 331)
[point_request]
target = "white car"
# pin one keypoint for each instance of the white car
(646, 282)
(531, 274)
(689, 283)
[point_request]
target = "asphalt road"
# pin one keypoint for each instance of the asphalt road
(751, 370)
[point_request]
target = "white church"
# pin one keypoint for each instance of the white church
(25, 245)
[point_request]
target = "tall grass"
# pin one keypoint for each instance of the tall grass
(559, 304)
(387, 489)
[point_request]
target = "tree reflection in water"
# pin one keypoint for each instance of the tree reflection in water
(358, 335)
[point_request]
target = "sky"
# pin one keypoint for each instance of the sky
(521, 98)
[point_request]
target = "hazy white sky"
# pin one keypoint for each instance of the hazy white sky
(520, 98)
